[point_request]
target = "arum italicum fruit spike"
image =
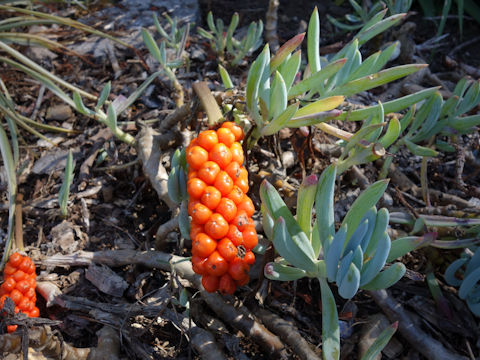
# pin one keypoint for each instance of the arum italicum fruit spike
(19, 285)
(222, 230)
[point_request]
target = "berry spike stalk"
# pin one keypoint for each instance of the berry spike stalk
(19, 283)
(222, 230)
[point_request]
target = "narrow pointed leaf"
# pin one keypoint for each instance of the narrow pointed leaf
(279, 272)
(325, 104)
(377, 262)
(360, 206)
(285, 50)
(227, 82)
(290, 68)
(380, 342)
(313, 42)
(305, 200)
(278, 96)
(419, 150)
(386, 278)
(335, 250)
(103, 95)
(281, 121)
(324, 206)
(330, 328)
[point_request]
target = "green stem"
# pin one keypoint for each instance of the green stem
(330, 328)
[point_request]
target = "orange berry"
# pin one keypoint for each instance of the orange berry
(210, 283)
(216, 265)
(236, 195)
(227, 285)
(236, 130)
(249, 257)
(241, 221)
(8, 285)
(198, 264)
(191, 204)
(207, 139)
(196, 156)
(192, 174)
(35, 312)
(227, 209)
(227, 249)
(247, 205)
(216, 226)
(19, 275)
(211, 197)
(235, 235)
(11, 328)
(223, 183)
(250, 238)
(25, 305)
(16, 296)
(238, 269)
(203, 245)
(208, 172)
(237, 152)
(201, 214)
(242, 183)
(226, 136)
(195, 188)
(195, 229)
(9, 269)
(233, 170)
(220, 154)
(15, 259)
(30, 294)
(26, 264)
(23, 286)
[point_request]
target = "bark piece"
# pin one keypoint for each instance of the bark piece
(106, 280)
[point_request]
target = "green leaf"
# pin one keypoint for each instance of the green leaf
(173, 185)
(386, 278)
(325, 104)
(159, 27)
(111, 119)
(333, 254)
(268, 222)
(9, 164)
(348, 286)
(184, 221)
(324, 206)
(374, 80)
(277, 208)
(67, 182)
(360, 206)
(313, 42)
(152, 46)
(103, 95)
(292, 251)
(464, 123)
(279, 272)
(253, 82)
(419, 150)
(381, 224)
(281, 121)
(313, 119)
(469, 283)
(392, 133)
(403, 246)
(390, 106)
(305, 200)
(278, 96)
(315, 79)
(372, 267)
(289, 69)
(330, 328)
(79, 106)
(227, 82)
(284, 51)
(380, 342)
(378, 27)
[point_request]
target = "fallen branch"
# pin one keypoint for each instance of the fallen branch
(288, 333)
(420, 340)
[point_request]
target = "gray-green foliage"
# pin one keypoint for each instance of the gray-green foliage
(224, 42)
(353, 257)
(469, 268)
(275, 100)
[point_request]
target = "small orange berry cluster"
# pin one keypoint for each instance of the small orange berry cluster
(19, 283)
(222, 230)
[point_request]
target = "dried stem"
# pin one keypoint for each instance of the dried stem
(271, 16)
(208, 102)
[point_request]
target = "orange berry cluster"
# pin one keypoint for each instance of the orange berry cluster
(19, 283)
(222, 230)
